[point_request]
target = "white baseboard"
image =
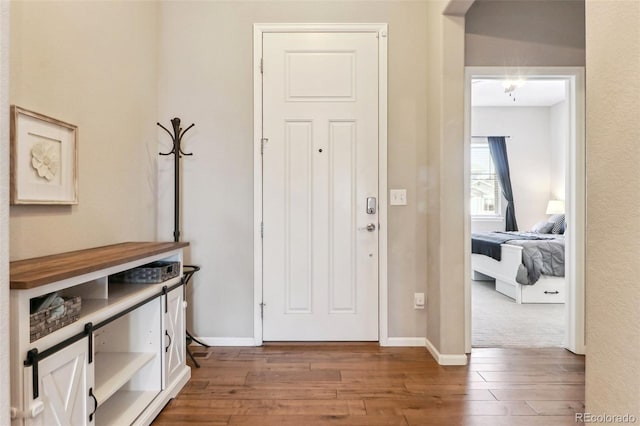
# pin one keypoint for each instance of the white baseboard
(445, 359)
(404, 341)
(227, 341)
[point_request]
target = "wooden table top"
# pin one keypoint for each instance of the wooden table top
(31, 273)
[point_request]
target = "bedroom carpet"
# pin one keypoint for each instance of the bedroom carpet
(499, 322)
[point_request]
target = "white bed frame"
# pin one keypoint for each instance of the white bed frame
(548, 289)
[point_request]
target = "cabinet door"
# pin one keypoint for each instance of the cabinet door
(64, 380)
(174, 334)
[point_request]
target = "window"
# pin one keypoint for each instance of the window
(485, 188)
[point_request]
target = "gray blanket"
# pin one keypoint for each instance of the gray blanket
(490, 243)
(540, 257)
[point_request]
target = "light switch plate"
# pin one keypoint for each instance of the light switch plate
(398, 197)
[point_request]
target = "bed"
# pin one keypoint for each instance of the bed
(527, 267)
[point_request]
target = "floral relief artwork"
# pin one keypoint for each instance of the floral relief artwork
(45, 159)
(44, 154)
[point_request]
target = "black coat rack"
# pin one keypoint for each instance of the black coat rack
(177, 151)
(188, 270)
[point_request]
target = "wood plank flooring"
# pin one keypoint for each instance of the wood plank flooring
(364, 384)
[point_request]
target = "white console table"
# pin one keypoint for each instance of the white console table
(121, 362)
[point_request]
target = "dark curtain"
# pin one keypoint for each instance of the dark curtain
(498, 149)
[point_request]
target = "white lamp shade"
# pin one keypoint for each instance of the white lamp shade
(555, 207)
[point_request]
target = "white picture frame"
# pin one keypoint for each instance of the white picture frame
(44, 159)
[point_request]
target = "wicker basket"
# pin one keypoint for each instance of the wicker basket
(151, 273)
(42, 324)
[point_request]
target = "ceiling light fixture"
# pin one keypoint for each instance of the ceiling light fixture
(510, 86)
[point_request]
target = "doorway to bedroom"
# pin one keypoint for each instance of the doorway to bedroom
(525, 197)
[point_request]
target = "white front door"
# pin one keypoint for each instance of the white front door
(320, 165)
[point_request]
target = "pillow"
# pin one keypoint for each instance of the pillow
(542, 227)
(557, 221)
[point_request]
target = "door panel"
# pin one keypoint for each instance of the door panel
(320, 115)
(174, 335)
(342, 218)
(64, 390)
(298, 181)
(320, 76)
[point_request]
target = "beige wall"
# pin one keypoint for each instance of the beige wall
(613, 203)
(525, 33)
(434, 113)
(206, 77)
(92, 64)
(445, 74)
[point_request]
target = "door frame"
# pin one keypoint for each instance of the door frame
(575, 183)
(258, 30)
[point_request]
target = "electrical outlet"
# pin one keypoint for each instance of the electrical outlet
(418, 301)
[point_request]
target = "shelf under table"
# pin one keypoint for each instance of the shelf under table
(124, 407)
(118, 292)
(114, 369)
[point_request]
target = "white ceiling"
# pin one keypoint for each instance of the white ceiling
(531, 93)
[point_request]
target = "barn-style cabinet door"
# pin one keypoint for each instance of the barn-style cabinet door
(174, 335)
(65, 381)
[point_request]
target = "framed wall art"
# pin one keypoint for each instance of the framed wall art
(44, 159)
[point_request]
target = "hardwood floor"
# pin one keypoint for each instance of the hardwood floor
(364, 384)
